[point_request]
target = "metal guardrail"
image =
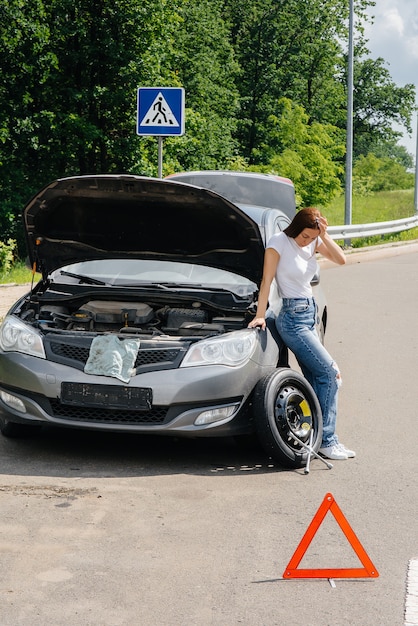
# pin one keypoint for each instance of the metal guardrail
(349, 231)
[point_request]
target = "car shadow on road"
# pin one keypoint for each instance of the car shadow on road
(70, 453)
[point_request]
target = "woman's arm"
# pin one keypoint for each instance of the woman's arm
(271, 259)
(328, 248)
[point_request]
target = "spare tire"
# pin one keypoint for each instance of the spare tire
(286, 409)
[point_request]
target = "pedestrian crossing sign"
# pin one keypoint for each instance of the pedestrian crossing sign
(160, 111)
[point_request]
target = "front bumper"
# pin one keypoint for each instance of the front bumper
(179, 397)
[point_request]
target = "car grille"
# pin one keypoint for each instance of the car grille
(157, 415)
(74, 351)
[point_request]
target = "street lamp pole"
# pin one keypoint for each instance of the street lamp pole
(349, 141)
(416, 174)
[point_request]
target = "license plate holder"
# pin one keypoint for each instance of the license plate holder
(107, 396)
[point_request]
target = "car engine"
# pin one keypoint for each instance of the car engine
(137, 318)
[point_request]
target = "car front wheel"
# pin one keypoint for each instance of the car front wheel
(286, 412)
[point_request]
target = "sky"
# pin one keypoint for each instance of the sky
(394, 37)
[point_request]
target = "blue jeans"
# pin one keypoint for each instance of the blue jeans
(296, 325)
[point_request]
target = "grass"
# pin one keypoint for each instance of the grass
(378, 207)
(18, 274)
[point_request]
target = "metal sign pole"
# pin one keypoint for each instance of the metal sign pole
(160, 157)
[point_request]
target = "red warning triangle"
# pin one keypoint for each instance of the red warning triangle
(367, 571)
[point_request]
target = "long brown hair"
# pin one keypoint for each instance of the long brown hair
(305, 218)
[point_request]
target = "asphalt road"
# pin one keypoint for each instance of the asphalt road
(108, 530)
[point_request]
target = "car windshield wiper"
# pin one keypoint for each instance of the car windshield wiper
(84, 279)
(207, 287)
(168, 286)
(190, 286)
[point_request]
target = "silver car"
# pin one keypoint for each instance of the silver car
(139, 323)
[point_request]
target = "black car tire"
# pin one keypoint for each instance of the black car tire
(13, 430)
(285, 405)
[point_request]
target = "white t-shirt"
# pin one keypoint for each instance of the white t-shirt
(296, 266)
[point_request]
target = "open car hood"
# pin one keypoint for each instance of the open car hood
(121, 216)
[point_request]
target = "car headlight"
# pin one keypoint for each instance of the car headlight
(15, 336)
(231, 349)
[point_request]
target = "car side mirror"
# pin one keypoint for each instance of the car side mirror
(316, 279)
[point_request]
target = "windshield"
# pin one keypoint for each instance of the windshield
(133, 272)
(246, 188)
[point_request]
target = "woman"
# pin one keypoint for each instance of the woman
(290, 259)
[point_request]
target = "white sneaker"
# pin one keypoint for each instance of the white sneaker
(334, 452)
(350, 453)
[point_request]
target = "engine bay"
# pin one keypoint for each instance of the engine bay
(135, 318)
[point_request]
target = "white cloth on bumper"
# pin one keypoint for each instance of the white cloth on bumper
(109, 356)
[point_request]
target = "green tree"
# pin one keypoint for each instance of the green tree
(378, 103)
(396, 152)
(104, 51)
(373, 174)
(297, 50)
(70, 70)
(286, 49)
(26, 60)
(306, 153)
(204, 63)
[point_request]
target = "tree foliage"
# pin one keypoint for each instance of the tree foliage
(265, 84)
(204, 61)
(380, 174)
(285, 49)
(378, 103)
(306, 153)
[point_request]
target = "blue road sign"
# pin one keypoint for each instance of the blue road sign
(160, 111)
